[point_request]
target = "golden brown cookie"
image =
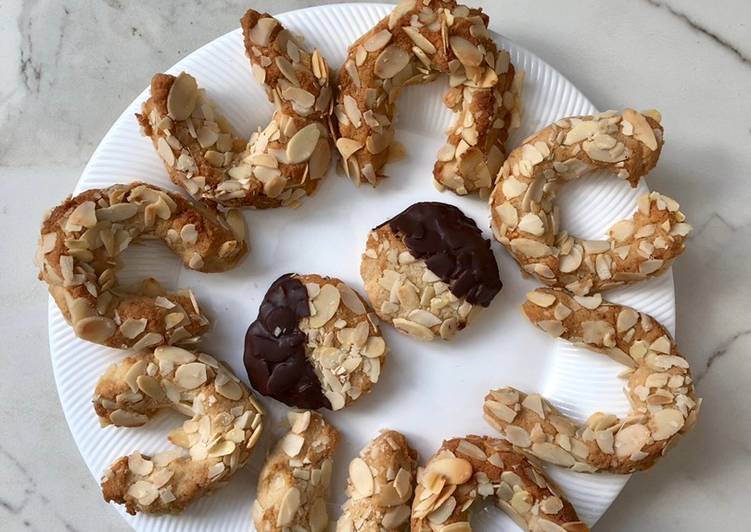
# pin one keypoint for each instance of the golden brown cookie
(315, 344)
(465, 468)
(224, 426)
(380, 486)
(295, 479)
(659, 387)
(525, 218)
(283, 162)
(78, 257)
(415, 43)
(429, 270)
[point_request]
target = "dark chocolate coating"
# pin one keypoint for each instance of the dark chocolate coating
(452, 247)
(275, 348)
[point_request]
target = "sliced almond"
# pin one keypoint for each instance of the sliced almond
(326, 303)
(390, 62)
(456, 470)
(182, 97)
(361, 477)
(300, 147)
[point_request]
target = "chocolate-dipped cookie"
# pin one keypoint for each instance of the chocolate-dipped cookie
(428, 270)
(315, 343)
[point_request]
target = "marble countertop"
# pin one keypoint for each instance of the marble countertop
(67, 69)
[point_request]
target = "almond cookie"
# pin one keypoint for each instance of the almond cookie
(315, 344)
(526, 220)
(224, 426)
(465, 468)
(379, 486)
(78, 257)
(295, 479)
(283, 162)
(659, 387)
(418, 41)
(428, 270)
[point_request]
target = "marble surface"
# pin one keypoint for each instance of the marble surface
(67, 69)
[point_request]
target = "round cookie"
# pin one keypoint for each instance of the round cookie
(225, 424)
(79, 252)
(379, 486)
(428, 270)
(315, 343)
(465, 468)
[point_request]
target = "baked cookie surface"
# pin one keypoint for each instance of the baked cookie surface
(418, 41)
(380, 486)
(466, 469)
(315, 344)
(225, 424)
(526, 219)
(79, 256)
(428, 270)
(281, 163)
(295, 480)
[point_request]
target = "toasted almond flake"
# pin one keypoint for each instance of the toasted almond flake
(456, 470)
(419, 39)
(347, 147)
(642, 131)
(582, 130)
(395, 517)
(326, 303)
(425, 318)
(190, 376)
(182, 97)
(300, 147)
(666, 423)
(150, 386)
(589, 302)
(124, 418)
(530, 248)
(465, 51)
(300, 96)
(350, 299)
(361, 477)
(553, 454)
(131, 327)
(377, 41)
(541, 299)
(261, 32)
(630, 440)
(320, 160)
(84, 215)
(414, 329)
(230, 389)
(288, 508)
(532, 224)
(390, 62)
(512, 187)
(95, 329)
(292, 444)
(571, 261)
(299, 421)
(353, 111)
(173, 354)
(138, 465)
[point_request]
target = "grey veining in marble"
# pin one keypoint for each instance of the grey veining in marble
(68, 68)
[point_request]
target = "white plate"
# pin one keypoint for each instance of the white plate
(428, 391)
